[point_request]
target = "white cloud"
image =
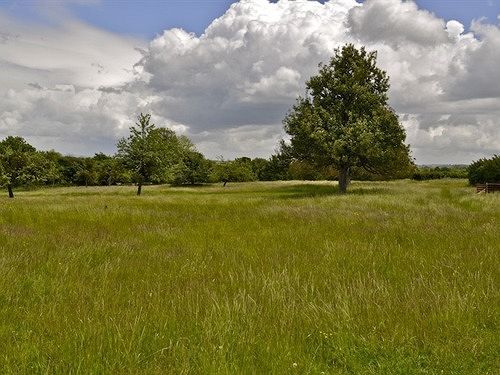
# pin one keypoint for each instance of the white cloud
(454, 29)
(476, 73)
(69, 52)
(230, 87)
(397, 23)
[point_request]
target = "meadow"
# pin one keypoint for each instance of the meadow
(285, 277)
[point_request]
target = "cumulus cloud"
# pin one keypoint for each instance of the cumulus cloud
(229, 88)
(248, 65)
(396, 22)
(477, 74)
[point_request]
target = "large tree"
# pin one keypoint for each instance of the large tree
(344, 120)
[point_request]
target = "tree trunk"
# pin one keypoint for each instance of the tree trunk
(225, 182)
(343, 179)
(139, 188)
(9, 189)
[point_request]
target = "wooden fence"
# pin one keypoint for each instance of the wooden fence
(489, 187)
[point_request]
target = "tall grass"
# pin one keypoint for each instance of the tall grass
(392, 278)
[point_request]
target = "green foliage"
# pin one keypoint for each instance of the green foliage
(238, 170)
(4, 178)
(434, 173)
(278, 165)
(86, 173)
(192, 169)
(485, 170)
(258, 166)
(52, 169)
(344, 121)
(139, 152)
(151, 153)
(302, 170)
(18, 161)
(111, 170)
(99, 170)
(16, 158)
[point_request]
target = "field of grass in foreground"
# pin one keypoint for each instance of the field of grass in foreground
(392, 278)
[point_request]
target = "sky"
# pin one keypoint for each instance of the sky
(74, 74)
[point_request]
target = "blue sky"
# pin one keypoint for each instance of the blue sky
(147, 18)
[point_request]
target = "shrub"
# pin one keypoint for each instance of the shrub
(485, 170)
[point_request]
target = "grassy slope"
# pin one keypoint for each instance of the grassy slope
(393, 278)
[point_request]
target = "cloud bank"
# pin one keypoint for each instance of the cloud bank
(75, 88)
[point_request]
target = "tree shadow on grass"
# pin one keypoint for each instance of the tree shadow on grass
(299, 191)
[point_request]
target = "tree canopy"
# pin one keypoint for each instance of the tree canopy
(17, 163)
(344, 120)
(158, 155)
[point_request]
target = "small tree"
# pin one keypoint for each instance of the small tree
(138, 151)
(237, 170)
(16, 157)
(151, 153)
(344, 121)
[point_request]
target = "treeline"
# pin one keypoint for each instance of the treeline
(152, 155)
(22, 165)
(421, 173)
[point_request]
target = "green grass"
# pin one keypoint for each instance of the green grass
(392, 278)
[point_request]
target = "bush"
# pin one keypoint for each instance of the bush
(485, 170)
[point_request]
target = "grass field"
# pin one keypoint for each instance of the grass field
(392, 278)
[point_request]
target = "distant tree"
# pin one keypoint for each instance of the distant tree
(172, 151)
(232, 171)
(139, 151)
(278, 164)
(485, 170)
(258, 166)
(432, 173)
(302, 170)
(110, 170)
(192, 169)
(69, 166)
(52, 168)
(16, 162)
(86, 173)
(151, 153)
(344, 121)
(40, 169)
